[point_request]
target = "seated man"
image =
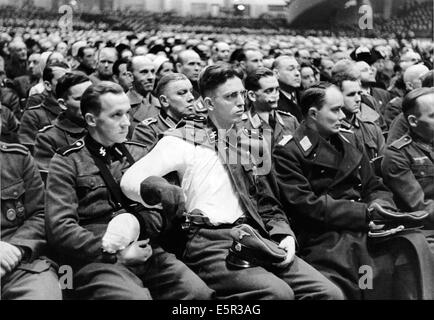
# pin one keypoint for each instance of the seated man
(408, 165)
(39, 116)
(69, 126)
(175, 93)
(225, 194)
(24, 273)
(83, 195)
(263, 93)
(328, 188)
(368, 132)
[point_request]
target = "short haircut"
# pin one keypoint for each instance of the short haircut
(214, 76)
(428, 79)
(410, 105)
(91, 102)
(237, 56)
(314, 97)
(80, 52)
(69, 80)
(117, 64)
(252, 80)
(165, 80)
(48, 75)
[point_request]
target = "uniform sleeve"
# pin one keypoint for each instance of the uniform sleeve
(400, 179)
(31, 234)
(62, 222)
(44, 151)
(169, 154)
(28, 129)
(144, 135)
(299, 200)
(270, 209)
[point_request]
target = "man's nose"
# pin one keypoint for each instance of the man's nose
(126, 120)
(341, 114)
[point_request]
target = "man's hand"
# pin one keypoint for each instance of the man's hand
(156, 189)
(10, 257)
(136, 253)
(287, 244)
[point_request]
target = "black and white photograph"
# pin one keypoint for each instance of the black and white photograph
(208, 155)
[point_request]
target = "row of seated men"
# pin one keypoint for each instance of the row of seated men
(312, 188)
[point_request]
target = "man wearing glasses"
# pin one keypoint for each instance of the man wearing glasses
(221, 192)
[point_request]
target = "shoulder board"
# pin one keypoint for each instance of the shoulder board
(149, 121)
(79, 144)
(135, 143)
(46, 128)
(285, 139)
(35, 107)
(13, 147)
(285, 113)
(401, 142)
(345, 130)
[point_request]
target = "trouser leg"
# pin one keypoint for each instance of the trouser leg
(206, 253)
(309, 283)
(104, 281)
(169, 278)
(31, 285)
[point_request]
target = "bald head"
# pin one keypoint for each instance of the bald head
(412, 76)
(287, 71)
(408, 59)
(221, 52)
(106, 59)
(143, 71)
(189, 64)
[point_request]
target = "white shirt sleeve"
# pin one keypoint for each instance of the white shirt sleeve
(169, 154)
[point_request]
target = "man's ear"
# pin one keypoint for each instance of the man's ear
(312, 112)
(47, 85)
(412, 120)
(178, 66)
(90, 119)
(243, 64)
(62, 104)
(276, 73)
(251, 95)
(409, 86)
(164, 101)
(208, 103)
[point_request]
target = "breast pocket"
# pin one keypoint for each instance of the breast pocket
(12, 205)
(92, 196)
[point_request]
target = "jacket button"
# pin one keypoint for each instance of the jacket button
(323, 171)
(422, 173)
(11, 214)
(15, 193)
(359, 185)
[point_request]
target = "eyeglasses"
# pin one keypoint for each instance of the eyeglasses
(234, 95)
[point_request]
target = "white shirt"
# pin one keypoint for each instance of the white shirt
(204, 180)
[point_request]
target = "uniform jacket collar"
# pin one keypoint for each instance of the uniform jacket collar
(167, 120)
(324, 154)
(50, 104)
(65, 124)
(105, 153)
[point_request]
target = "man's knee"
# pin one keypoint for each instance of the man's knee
(330, 291)
(277, 290)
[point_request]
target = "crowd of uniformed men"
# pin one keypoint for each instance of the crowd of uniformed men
(331, 138)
